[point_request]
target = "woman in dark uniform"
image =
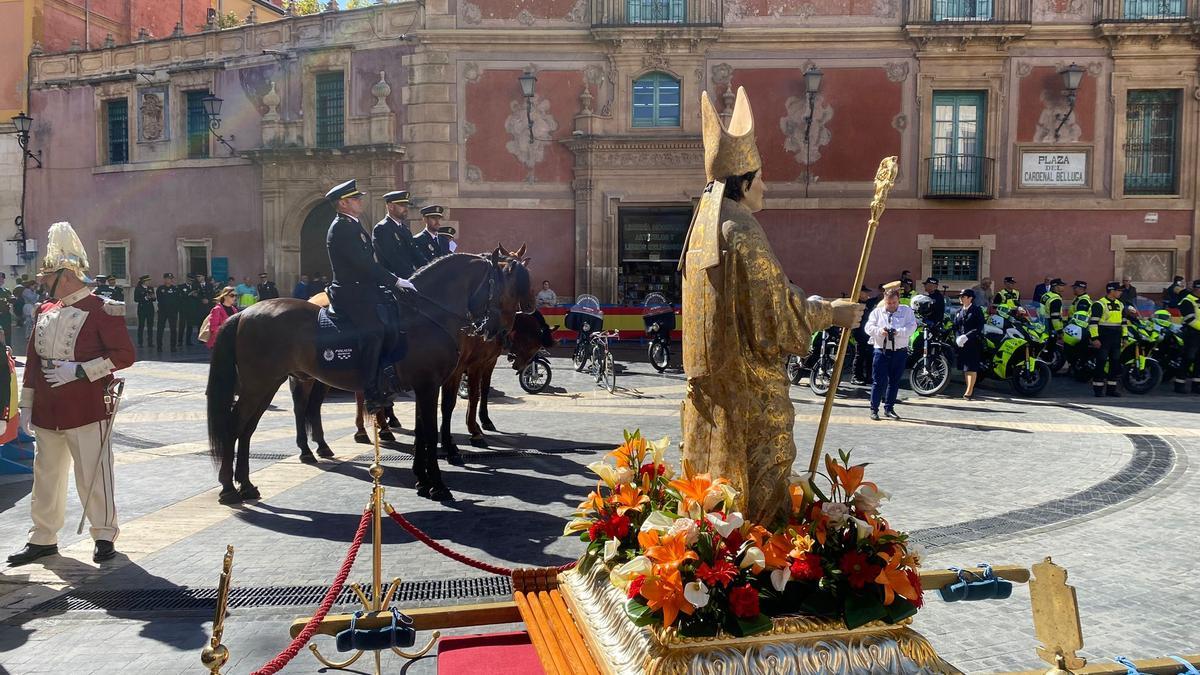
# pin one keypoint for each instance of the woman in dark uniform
(968, 326)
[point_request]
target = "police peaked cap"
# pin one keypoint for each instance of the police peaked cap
(101, 277)
(1079, 284)
(967, 292)
(1057, 282)
(343, 191)
(144, 277)
(1010, 280)
(448, 230)
(434, 211)
(168, 275)
(397, 197)
(932, 280)
(1196, 283)
(1112, 286)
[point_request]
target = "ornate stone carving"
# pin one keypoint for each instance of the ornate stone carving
(721, 74)
(1059, 10)
(471, 14)
(594, 75)
(471, 71)
(585, 101)
(529, 152)
(474, 175)
(468, 130)
(578, 13)
(152, 115)
(271, 100)
(897, 71)
(643, 159)
(900, 122)
(1024, 68)
(526, 18)
(656, 61)
(793, 126)
(1053, 106)
(381, 91)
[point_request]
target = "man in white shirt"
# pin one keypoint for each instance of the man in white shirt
(889, 328)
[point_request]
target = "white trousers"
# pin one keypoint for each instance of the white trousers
(53, 455)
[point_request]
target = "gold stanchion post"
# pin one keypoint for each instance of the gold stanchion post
(215, 655)
(885, 178)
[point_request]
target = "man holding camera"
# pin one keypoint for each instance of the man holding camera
(889, 328)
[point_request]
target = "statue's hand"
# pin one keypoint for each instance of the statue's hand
(847, 314)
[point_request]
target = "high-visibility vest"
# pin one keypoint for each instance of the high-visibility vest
(1082, 303)
(1189, 306)
(1047, 298)
(1106, 313)
(1012, 298)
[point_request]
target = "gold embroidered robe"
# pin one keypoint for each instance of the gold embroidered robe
(741, 318)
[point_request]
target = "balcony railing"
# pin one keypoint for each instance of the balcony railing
(968, 11)
(1144, 11)
(658, 13)
(959, 177)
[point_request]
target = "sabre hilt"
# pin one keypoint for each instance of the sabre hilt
(112, 395)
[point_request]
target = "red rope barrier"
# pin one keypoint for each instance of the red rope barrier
(454, 555)
(310, 628)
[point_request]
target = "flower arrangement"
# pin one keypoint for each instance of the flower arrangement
(685, 558)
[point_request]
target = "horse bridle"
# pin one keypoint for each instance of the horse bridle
(477, 325)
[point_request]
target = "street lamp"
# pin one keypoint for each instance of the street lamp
(212, 109)
(24, 123)
(1072, 76)
(528, 82)
(812, 84)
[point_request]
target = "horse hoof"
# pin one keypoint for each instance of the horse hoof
(487, 425)
(308, 458)
(325, 453)
(229, 496)
(441, 493)
(479, 442)
(456, 459)
(423, 491)
(362, 438)
(249, 493)
(386, 435)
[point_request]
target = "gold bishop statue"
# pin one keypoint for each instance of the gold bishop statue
(741, 318)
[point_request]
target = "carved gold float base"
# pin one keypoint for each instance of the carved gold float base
(798, 644)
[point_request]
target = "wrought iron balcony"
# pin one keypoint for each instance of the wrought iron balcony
(1144, 11)
(958, 177)
(657, 13)
(968, 12)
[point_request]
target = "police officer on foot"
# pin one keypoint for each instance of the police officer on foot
(393, 239)
(359, 284)
(1082, 301)
(1106, 328)
(1052, 305)
(1009, 296)
(1189, 309)
(170, 303)
(143, 295)
(938, 311)
(431, 243)
(67, 372)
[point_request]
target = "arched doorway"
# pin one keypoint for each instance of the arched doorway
(314, 258)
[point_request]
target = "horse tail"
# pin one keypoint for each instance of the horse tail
(222, 385)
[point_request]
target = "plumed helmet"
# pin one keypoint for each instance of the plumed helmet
(922, 305)
(64, 251)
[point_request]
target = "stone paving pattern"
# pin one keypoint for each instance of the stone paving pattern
(949, 462)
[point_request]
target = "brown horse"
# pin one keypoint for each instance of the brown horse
(259, 348)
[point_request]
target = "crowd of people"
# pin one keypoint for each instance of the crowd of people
(177, 311)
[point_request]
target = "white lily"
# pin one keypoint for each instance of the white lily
(605, 471)
(780, 578)
(754, 558)
(805, 481)
(725, 526)
(696, 593)
(657, 520)
(713, 497)
(611, 548)
(730, 495)
(576, 525)
(864, 528)
(917, 553)
(623, 575)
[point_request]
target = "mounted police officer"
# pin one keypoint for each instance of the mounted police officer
(359, 284)
(430, 242)
(1106, 327)
(393, 239)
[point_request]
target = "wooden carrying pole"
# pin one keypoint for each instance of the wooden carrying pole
(885, 178)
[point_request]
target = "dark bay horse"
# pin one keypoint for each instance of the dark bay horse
(259, 348)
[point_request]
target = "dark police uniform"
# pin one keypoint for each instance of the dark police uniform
(1189, 309)
(1106, 324)
(102, 288)
(939, 303)
(394, 244)
(267, 290)
(170, 302)
(358, 287)
(431, 246)
(190, 308)
(143, 295)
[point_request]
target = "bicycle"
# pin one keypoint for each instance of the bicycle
(602, 365)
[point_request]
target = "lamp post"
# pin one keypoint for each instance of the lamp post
(1072, 76)
(812, 84)
(528, 83)
(23, 124)
(212, 109)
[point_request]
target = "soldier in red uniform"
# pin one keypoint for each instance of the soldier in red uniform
(77, 342)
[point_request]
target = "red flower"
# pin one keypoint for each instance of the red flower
(857, 570)
(743, 600)
(722, 572)
(734, 540)
(594, 529)
(807, 567)
(915, 580)
(617, 527)
(635, 587)
(653, 470)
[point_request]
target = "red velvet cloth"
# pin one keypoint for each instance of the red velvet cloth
(492, 653)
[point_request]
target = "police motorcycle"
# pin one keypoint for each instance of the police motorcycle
(1011, 346)
(537, 375)
(930, 349)
(1077, 348)
(798, 367)
(659, 319)
(585, 318)
(823, 355)
(1141, 371)
(1169, 350)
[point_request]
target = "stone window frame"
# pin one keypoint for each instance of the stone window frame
(1153, 77)
(317, 63)
(104, 244)
(101, 95)
(181, 84)
(633, 83)
(1122, 244)
(627, 100)
(985, 244)
(996, 103)
(181, 246)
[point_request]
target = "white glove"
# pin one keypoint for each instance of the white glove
(961, 340)
(404, 284)
(59, 373)
(26, 423)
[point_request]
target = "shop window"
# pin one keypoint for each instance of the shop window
(116, 132)
(656, 101)
(956, 265)
(330, 110)
(651, 244)
(1152, 142)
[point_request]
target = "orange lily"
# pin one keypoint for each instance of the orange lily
(629, 498)
(895, 580)
(668, 552)
(694, 488)
(594, 502)
(631, 453)
(819, 522)
(665, 591)
(775, 548)
(801, 544)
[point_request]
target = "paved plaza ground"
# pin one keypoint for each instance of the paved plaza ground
(1107, 487)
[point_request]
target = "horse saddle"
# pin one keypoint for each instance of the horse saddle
(339, 340)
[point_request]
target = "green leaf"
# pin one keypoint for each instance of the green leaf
(704, 547)
(639, 613)
(861, 608)
(845, 457)
(816, 490)
(758, 624)
(900, 609)
(820, 604)
(583, 536)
